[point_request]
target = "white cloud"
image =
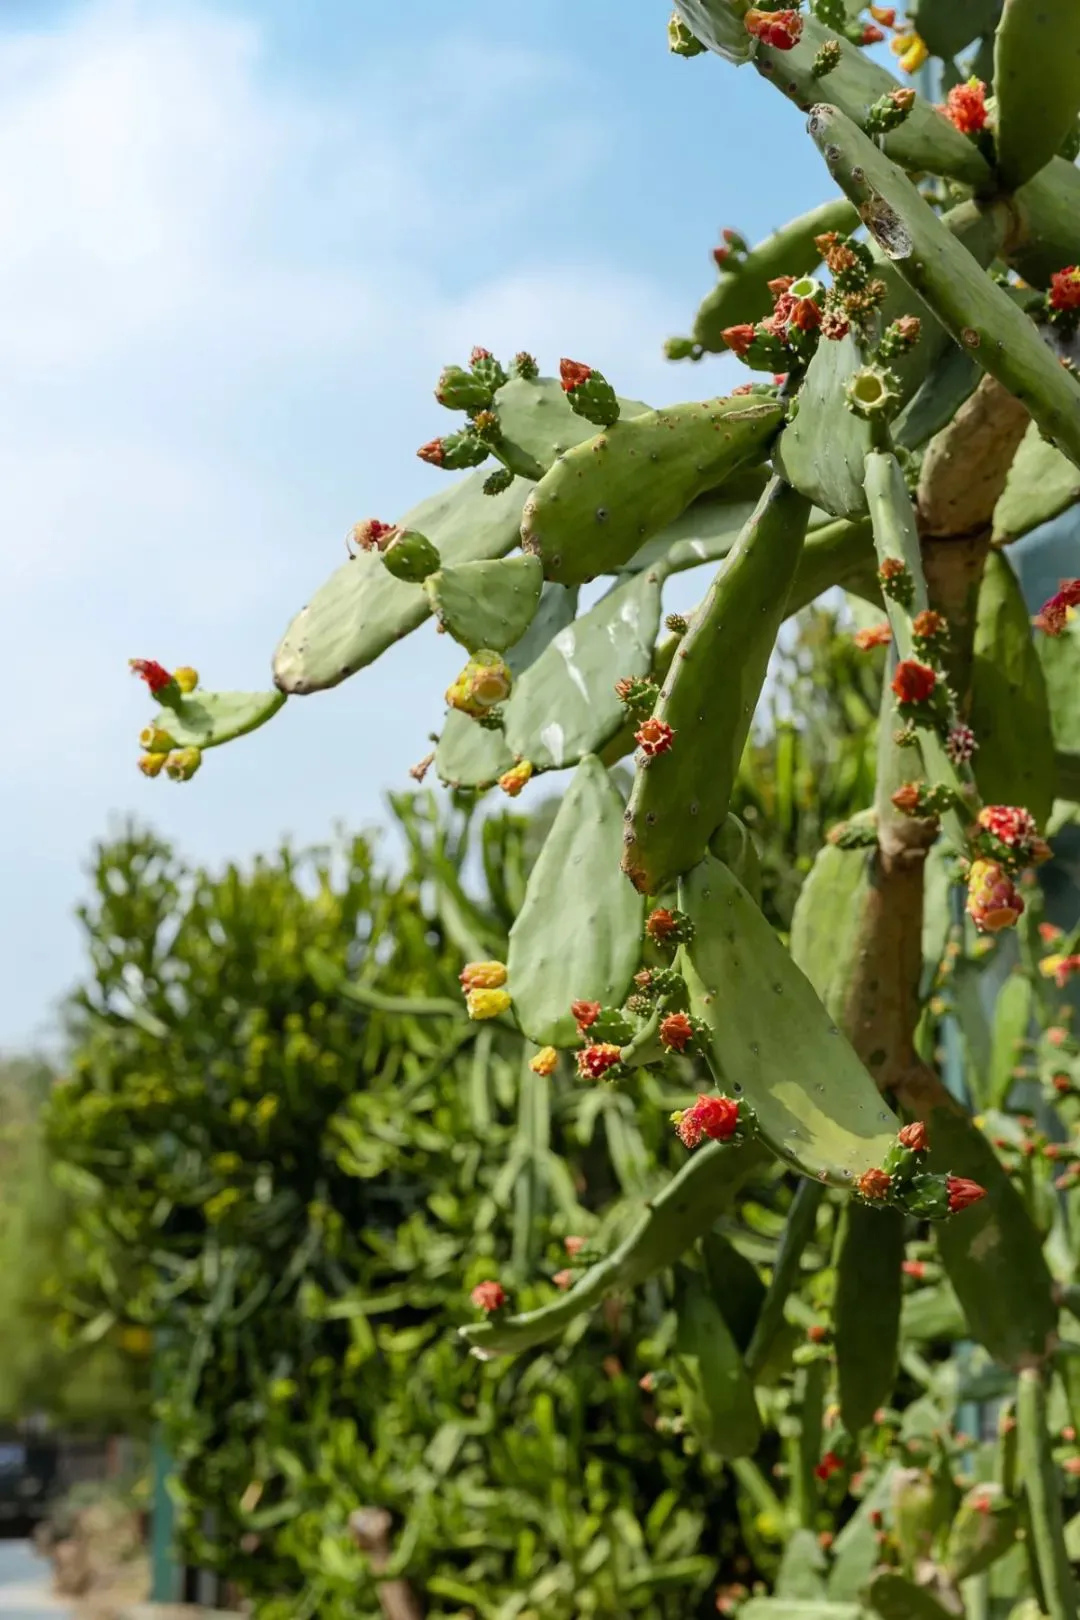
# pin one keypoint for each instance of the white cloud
(223, 303)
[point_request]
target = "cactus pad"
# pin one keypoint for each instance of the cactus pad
(717, 1395)
(605, 498)
(1036, 83)
(578, 934)
(537, 425)
(1041, 484)
(1010, 711)
(362, 609)
(773, 1041)
(486, 604)
(208, 719)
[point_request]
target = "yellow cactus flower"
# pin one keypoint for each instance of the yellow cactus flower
(186, 678)
(182, 763)
(483, 976)
(545, 1060)
(156, 741)
(487, 1003)
(514, 780)
(152, 764)
(911, 49)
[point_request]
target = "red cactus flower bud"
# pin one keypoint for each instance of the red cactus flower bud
(1068, 1434)
(914, 1137)
(826, 1539)
(871, 35)
(835, 325)
(1009, 823)
(594, 1061)
(876, 635)
(804, 315)
(647, 1382)
(482, 976)
(585, 1014)
(572, 374)
(563, 1279)
(1050, 933)
(914, 1269)
(1054, 614)
(478, 354)
(574, 1246)
(929, 626)
(432, 452)
(743, 388)
(829, 1465)
(874, 1184)
(781, 29)
(965, 107)
(885, 15)
(714, 1117)
(654, 737)
(1071, 1465)
(1065, 289)
(676, 1032)
(739, 338)
(962, 1193)
(779, 285)
(913, 682)
(1062, 1083)
(817, 1333)
(993, 901)
(877, 1518)
(1056, 1035)
(721, 255)
(907, 799)
(156, 676)
(661, 925)
(371, 534)
(488, 1296)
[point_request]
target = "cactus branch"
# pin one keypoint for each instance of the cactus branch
(1044, 1495)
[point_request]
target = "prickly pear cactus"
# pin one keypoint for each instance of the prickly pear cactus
(910, 403)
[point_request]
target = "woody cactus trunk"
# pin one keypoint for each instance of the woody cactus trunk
(913, 408)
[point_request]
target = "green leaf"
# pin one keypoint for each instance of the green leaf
(578, 935)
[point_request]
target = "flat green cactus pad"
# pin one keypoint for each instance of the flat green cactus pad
(893, 1597)
(925, 141)
(208, 719)
(772, 1608)
(486, 604)
(536, 424)
(1060, 659)
(825, 926)
(577, 936)
(1049, 205)
(605, 498)
(1041, 484)
(950, 381)
(772, 1040)
(362, 609)
(708, 529)
(1010, 709)
(948, 28)
(565, 705)
(866, 1314)
(979, 314)
(717, 26)
(742, 294)
(681, 797)
(1036, 83)
(717, 1395)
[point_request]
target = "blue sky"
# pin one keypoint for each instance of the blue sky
(239, 242)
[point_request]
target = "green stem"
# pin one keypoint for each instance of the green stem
(1044, 1495)
(757, 1488)
(804, 1482)
(801, 1221)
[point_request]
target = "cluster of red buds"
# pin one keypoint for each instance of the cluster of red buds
(1055, 613)
(714, 1118)
(1009, 834)
(874, 635)
(902, 1183)
(779, 27)
(731, 252)
(637, 694)
(589, 393)
(965, 107)
(668, 927)
(1063, 299)
(924, 798)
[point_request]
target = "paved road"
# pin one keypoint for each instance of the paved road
(24, 1586)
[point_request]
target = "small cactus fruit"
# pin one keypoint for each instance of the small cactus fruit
(585, 1014)
(873, 392)
(827, 59)
(483, 683)
(911, 50)
(545, 1062)
(594, 1062)
(654, 737)
(461, 390)
(900, 337)
(151, 764)
(676, 1031)
(1012, 826)
(667, 927)
(875, 635)
(518, 777)
(486, 369)
(482, 976)
(156, 741)
(913, 683)
(896, 582)
(985, 1527)
(182, 763)
(889, 111)
(488, 1297)
(525, 366)
(455, 452)
(993, 901)
(411, 557)
(874, 1186)
(186, 678)
(498, 482)
(965, 107)
(589, 393)
(780, 29)
(681, 42)
(156, 676)
(716, 1118)
(638, 695)
(484, 1004)
(916, 1512)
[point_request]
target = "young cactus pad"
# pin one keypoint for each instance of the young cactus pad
(604, 499)
(362, 609)
(536, 424)
(1041, 484)
(772, 1040)
(681, 797)
(1036, 84)
(486, 604)
(578, 934)
(208, 719)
